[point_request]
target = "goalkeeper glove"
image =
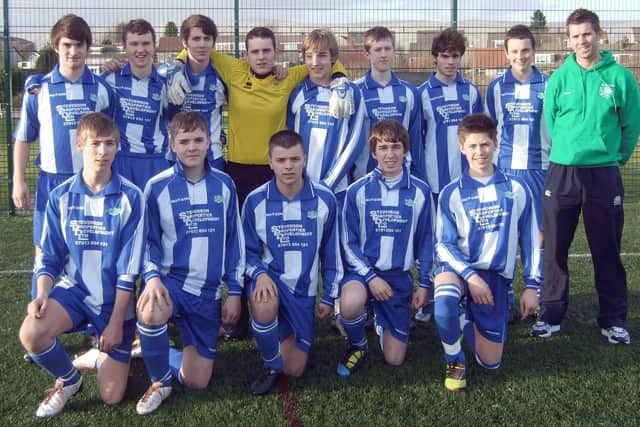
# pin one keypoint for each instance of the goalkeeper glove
(341, 99)
(177, 85)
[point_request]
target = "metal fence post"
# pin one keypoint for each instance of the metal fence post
(7, 103)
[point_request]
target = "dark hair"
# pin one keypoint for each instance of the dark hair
(285, 139)
(96, 124)
(580, 16)
(72, 27)
(260, 33)
(388, 130)
(448, 40)
(477, 123)
(138, 26)
(375, 34)
(188, 121)
(519, 32)
(205, 23)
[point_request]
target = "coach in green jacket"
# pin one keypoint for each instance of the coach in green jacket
(592, 108)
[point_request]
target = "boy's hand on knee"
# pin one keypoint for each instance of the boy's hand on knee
(111, 336)
(38, 307)
(265, 290)
(324, 310)
(155, 294)
(420, 298)
(528, 303)
(231, 310)
(380, 289)
(480, 291)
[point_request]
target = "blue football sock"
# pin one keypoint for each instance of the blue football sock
(154, 341)
(447, 319)
(175, 363)
(354, 329)
(55, 361)
(267, 338)
(467, 329)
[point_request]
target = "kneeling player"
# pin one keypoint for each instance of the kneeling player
(386, 227)
(92, 240)
(291, 228)
(481, 217)
(194, 241)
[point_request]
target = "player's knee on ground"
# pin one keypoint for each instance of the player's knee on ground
(112, 393)
(352, 299)
(395, 350)
(193, 381)
(488, 354)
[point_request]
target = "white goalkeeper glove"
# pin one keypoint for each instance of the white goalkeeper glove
(177, 85)
(341, 99)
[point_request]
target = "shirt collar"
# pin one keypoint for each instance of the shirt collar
(193, 80)
(466, 181)
(306, 193)
(536, 77)
(113, 186)
(179, 170)
(87, 76)
(126, 71)
(370, 83)
(405, 180)
(434, 82)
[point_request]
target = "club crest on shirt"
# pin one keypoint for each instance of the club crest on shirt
(509, 194)
(465, 96)
(402, 98)
(212, 87)
(312, 214)
(218, 199)
(114, 211)
(156, 97)
(93, 97)
(408, 202)
(605, 91)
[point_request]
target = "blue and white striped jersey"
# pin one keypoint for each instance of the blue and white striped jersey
(52, 116)
(194, 236)
(208, 95)
(443, 107)
(93, 242)
(398, 100)
(291, 240)
(524, 140)
(388, 228)
(332, 145)
(478, 227)
(139, 111)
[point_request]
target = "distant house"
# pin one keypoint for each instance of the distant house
(22, 53)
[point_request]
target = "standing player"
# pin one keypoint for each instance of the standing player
(446, 98)
(332, 145)
(388, 97)
(592, 106)
(141, 102)
(51, 116)
(481, 218)
(92, 240)
(514, 102)
(386, 228)
(208, 93)
(194, 242)
(291, 230)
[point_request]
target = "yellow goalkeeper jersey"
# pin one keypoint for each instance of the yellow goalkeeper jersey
(257, 107)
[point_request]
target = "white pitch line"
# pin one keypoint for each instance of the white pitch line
(623, 254)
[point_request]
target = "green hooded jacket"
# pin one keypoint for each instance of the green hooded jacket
(593, 115)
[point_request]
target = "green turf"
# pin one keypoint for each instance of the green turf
(572, 379)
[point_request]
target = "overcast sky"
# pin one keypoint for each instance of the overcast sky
(32, 19)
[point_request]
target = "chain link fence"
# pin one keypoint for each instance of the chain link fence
(25, 48)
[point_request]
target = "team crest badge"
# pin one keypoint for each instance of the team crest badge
(312, 214)
(402, 98)
(605, 91)
(218, 199)
(156, 97)
(408, 202)
(114, 211)
(212, 87)
(465, 97)
(93, 97)
(540, 95)
(509, 194)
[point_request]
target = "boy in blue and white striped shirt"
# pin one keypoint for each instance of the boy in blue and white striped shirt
(50, 115)
(332, 145)
(194, 243)
(92, 241)
(386, 228)
(291, 229)
(482, 216)
(388, 97)
(141, 104)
